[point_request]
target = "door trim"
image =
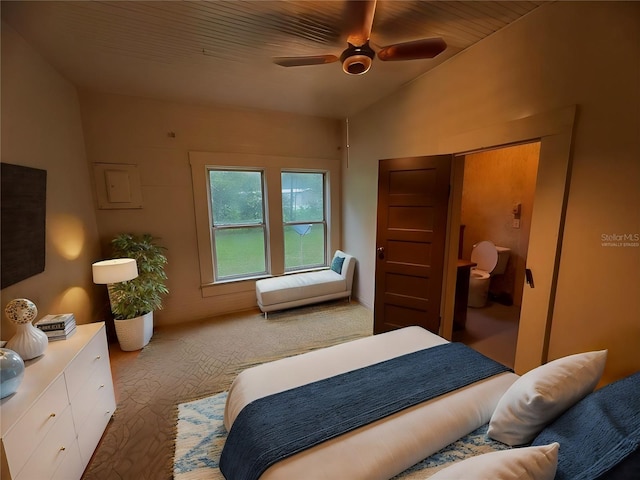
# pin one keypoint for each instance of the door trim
(554, 130)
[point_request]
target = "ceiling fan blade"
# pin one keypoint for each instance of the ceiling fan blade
(359, 20)
(417, 49)
(302, 61)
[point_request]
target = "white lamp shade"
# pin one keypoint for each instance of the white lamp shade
(114, 271)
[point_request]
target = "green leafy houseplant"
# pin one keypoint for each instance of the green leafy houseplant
(143, 294)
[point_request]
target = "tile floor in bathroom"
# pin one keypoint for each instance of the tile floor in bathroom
(493, 331)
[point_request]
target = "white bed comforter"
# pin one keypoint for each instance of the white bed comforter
(386, 447)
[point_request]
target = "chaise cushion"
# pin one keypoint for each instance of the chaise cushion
(288, 288)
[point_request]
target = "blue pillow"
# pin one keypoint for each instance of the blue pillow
(598, 432)
(336, 264)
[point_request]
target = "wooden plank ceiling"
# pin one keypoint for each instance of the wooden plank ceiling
(221, 51)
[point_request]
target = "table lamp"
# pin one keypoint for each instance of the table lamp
(114, 271)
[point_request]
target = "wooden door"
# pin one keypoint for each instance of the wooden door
(413, 197)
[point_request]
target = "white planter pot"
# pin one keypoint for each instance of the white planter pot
(134, 333)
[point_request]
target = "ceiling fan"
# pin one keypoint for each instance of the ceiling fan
(356, 59)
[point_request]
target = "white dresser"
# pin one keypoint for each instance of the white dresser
(53, 423)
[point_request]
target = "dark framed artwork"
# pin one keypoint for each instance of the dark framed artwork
(24, 207)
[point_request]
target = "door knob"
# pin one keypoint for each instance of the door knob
(380, 251)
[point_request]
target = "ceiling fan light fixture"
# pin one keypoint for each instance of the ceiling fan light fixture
(356, 64)
(357, 60)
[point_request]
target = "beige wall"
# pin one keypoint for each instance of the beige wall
(41, 128)
(494, 181)
(135, 131)
(565, 53)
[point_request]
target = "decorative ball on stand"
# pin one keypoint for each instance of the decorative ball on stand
(11, 372)
(29, 342)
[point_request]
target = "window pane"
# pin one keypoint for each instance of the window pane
(236, 197)
(302, 197)
(303, 245)
(239, 251)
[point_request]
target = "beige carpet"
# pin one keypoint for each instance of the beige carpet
(198, 359)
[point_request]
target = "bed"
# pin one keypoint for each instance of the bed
(390, 445)
(383, 448)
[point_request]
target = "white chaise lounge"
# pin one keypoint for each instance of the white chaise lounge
(296, 289)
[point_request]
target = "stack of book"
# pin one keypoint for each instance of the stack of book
(57, 327)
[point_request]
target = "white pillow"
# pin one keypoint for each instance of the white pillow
(527, 463)
(542, 394)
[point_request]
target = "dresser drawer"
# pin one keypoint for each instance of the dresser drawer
(34, 425)
(71, 466)
(97, 391)
(94, 355)
(58, 446)
(90, 432)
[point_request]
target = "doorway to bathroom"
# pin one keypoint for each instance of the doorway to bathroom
(498, 192)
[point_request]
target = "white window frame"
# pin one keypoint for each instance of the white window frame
(215, 228)
(272, 166)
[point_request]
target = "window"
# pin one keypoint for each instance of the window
(303, 214)
(237, 223)
(247, 210)
(238, 227)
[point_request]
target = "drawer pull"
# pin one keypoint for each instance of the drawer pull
(51, 415)
(102, 385)
(98, 357)
(62, 449)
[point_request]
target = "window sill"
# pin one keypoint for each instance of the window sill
(229, 286)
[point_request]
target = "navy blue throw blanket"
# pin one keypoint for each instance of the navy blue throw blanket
(280, 425)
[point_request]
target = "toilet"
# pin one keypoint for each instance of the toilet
(490, 260)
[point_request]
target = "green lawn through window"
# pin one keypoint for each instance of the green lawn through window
(241, 251)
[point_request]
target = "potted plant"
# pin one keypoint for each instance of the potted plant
(133, 302)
